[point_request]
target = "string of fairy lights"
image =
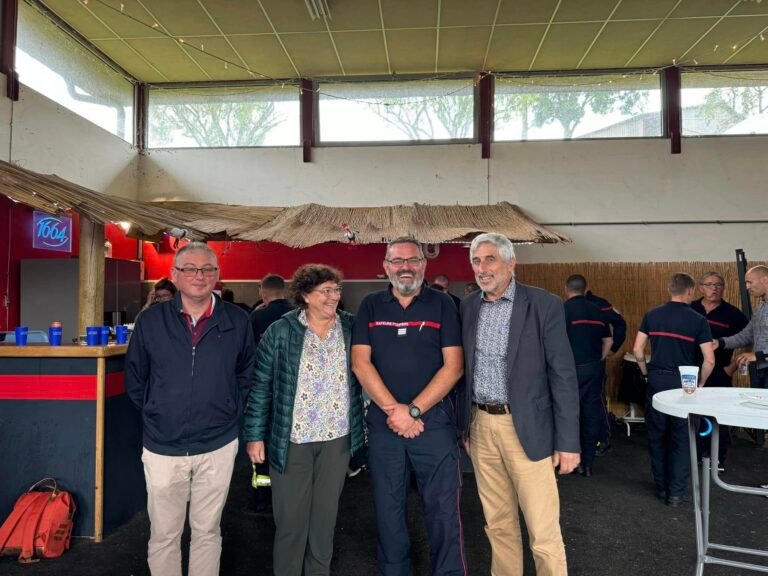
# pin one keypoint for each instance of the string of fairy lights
(536, 80)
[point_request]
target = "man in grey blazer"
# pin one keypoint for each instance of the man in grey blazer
(518, 409)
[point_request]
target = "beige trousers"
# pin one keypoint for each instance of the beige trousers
(506, 479)
(172, 481)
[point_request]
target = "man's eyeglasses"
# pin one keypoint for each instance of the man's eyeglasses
(397, 262)
(191, 271)
(713, 285)
(328, 292)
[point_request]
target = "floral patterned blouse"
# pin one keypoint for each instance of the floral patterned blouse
(321, 408)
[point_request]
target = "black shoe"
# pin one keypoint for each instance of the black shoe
(675, 501)
(602, 448)
(586, 471)
(661, 495)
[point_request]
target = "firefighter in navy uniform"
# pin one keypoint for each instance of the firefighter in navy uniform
(407, 354)
(619, 333)
(590, 337)
(676, 333)
(724, 320)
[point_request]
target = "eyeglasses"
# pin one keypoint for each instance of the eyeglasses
(397, 262)
(328, 292)
(191, 271)
(713, 285)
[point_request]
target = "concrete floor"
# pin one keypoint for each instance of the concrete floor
(612, 524)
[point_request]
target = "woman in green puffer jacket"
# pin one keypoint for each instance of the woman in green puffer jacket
(306, 404)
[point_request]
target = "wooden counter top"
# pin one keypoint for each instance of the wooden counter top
(48, 351)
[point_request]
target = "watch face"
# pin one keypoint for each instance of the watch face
(414, 411)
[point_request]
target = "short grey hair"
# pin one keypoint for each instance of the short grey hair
(505, 247)
(405, 240)
(195, 247)
(709, 274)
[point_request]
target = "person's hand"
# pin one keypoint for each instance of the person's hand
(255, 451)
(567, 461)
(416, 429)
(400, 421)
(466, 446)
(150, 299)
(746, 358)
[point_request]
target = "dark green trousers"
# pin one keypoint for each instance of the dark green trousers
(305, 501)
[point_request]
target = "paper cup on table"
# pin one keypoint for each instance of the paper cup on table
(689, 378)
(92, 335)
(121, 334)
(21, 333)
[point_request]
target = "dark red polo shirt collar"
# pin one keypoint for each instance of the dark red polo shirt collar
(197, 328)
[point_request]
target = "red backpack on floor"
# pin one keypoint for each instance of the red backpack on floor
(40, 523)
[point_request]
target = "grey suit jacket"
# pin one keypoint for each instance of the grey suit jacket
(541, 375)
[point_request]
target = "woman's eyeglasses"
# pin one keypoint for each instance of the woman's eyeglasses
(328, 292)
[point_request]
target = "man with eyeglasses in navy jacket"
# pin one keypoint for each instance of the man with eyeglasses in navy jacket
(189, 366)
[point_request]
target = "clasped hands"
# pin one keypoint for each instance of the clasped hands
(401, 422)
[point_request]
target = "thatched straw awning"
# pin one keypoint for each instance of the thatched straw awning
(311, 224)
(297, 227)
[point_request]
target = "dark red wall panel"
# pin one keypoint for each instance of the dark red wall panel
(254, 260)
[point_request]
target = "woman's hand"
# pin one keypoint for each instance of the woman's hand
(255, 451)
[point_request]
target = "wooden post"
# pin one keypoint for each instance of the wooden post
(90, 305)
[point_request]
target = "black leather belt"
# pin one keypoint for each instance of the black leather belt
(494, 409)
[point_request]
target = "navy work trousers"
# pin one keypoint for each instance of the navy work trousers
(667, 438)
(590, 377)
(434, 458)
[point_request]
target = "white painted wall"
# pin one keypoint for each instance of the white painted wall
(50, 139)
(554, 182)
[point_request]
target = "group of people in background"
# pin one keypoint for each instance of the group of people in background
(509, 373)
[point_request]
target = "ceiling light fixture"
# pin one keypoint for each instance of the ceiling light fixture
(318, 9)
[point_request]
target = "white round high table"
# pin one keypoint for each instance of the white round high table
(732, 407)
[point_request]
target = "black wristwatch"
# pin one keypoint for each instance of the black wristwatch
(414, 411)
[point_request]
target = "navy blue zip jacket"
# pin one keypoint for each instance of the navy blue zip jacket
(190, 398)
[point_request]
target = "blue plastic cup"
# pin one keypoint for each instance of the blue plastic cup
(121, 334)
(21, 335)
(54, 335)
(92, 334)
(103, 335)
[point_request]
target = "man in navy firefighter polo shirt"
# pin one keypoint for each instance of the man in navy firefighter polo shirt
(676, 333)
(406, 352)
(590, 337)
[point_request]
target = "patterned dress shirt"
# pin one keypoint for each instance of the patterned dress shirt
(490, 377)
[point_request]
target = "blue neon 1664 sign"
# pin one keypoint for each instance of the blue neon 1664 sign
(52, 232)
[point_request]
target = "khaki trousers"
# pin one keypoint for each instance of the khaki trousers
(506, 479)
(172, 481)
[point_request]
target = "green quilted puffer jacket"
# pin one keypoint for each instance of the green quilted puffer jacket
(269, 414)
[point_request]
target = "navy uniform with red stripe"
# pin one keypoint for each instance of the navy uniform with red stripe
(725, 320)
(676, 331)
(619, 334)
(615, 320)
(587, 326)
(406, 349)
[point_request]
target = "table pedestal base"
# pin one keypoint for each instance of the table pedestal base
(701, 493)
